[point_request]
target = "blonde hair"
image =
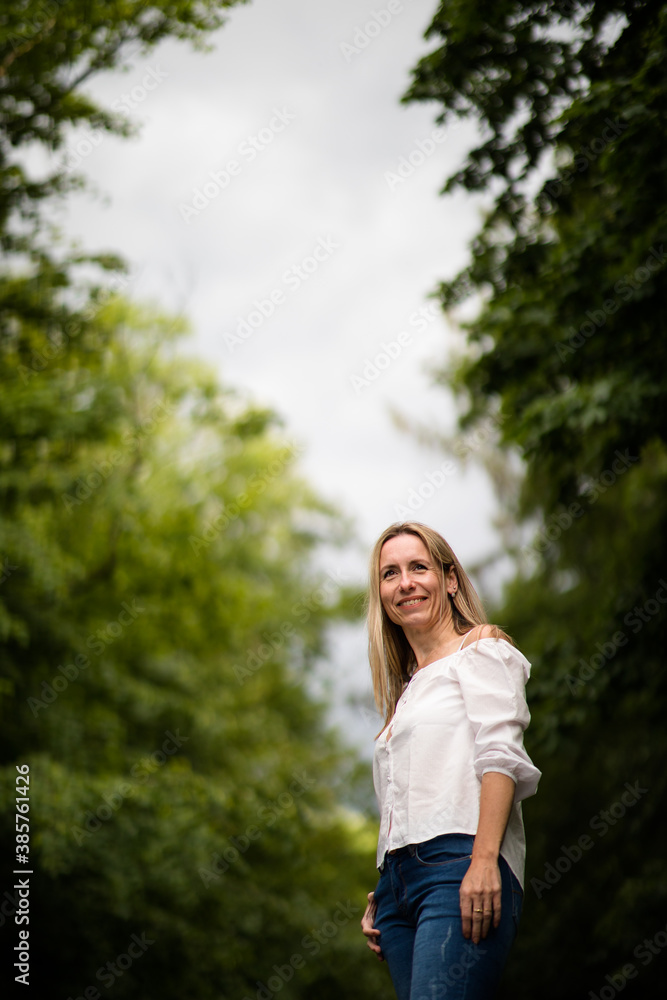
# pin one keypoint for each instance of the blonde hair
(391, 657)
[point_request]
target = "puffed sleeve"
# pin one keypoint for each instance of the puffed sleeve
(492, 678)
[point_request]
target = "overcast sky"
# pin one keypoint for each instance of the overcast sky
(263, 197)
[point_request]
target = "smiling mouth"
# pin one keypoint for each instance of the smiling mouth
(411, 602)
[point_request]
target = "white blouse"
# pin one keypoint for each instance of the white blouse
(457, 718)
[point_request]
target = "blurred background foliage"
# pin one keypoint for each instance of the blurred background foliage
(161, 607)
(566, 356)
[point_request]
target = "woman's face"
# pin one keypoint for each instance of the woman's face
(410, 588)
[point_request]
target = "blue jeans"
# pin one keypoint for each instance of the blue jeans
(419, 917)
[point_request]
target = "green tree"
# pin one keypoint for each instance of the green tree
(566, 357)
(192, 823)
(160, 618)
(48, 50)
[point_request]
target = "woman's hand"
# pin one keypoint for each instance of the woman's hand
(367, 922)
(480, 895)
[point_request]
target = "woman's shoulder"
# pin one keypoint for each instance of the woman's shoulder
(485, 631)
(489, 645)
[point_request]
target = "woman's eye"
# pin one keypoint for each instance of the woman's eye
(388, 572)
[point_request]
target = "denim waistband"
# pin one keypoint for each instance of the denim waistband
(408, 850)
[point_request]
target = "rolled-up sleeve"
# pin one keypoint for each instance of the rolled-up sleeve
(493, 679)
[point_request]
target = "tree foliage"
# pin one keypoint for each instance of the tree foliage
(160, 617)
(566, 353)
(192, 823)
(48, 50)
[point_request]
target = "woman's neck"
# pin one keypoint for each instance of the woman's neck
(433, 644)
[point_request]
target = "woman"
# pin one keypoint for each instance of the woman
(449, 770)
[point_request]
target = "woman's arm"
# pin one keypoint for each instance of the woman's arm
(480, 891)
(492, 680)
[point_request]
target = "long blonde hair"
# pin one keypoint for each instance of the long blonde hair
(390, 654)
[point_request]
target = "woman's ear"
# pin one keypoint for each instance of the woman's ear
(451, 581)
